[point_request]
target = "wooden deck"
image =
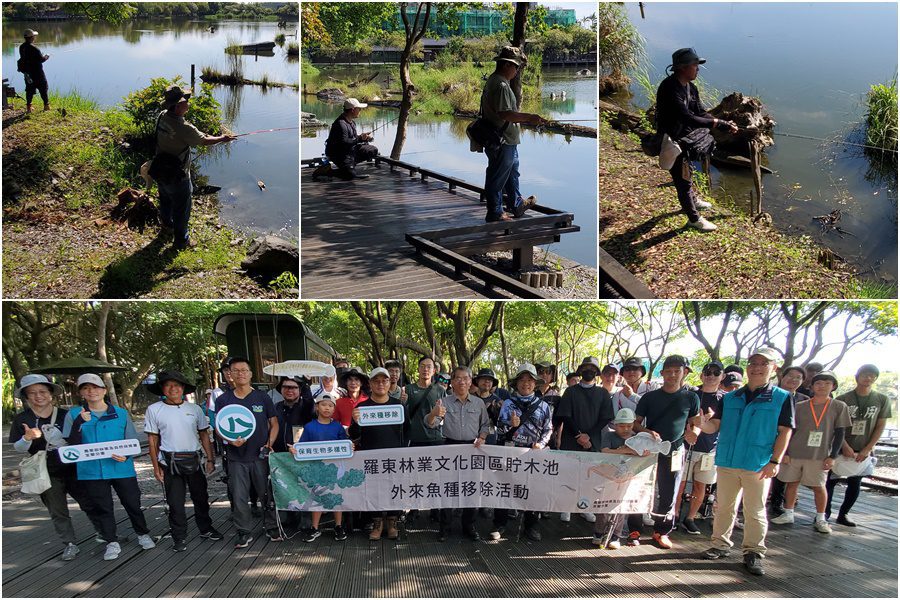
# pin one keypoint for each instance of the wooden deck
(861, 562)
(352, 239)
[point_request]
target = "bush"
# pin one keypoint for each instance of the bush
(145, 105)
(621, 46)
(881, 115)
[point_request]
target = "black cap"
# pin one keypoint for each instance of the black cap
(173, 95)
(164, 376)
(735, 369)
(732, 378)
(686, 56)
(868, 368)
(676, 360)
(714, 363)
(634, 363)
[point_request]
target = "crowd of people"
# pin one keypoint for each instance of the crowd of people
(740, 431)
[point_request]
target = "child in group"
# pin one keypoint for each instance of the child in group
(816, 442)
(324, 429)
(612, 441)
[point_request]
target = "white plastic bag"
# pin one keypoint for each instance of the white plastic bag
(33, 470)
(668, 153)
(848, 467)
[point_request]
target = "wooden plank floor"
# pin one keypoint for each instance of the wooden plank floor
(352, 242)
(860, 562)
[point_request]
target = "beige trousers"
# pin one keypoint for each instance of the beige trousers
(732, 485)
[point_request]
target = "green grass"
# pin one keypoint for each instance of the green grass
(279, 39)
(881, 115)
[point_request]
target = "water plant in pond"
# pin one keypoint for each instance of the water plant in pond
(881, 116)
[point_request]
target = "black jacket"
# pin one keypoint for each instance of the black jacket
(679, 110)
(298, 415)
(341, 138)
(32, 60)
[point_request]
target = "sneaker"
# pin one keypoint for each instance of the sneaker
(715, 553)
(843, 520)
(533, 534)
(243, 540)
(785, 518)
(565, 517)
(340, 534)
(213, 535)
(702, 204)
(274, 535)
(689, 526)
(146, 542)
(113, 549)
(179, 545)
(496, 533)
(702, 224)
(634, 539)
(614, 544)
(662, 540)
(753, 562)
(589, 517)
(70, 552)
(597, 540)
(822, 526)
(314, 534)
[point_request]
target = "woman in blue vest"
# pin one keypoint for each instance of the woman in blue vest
(97, 421)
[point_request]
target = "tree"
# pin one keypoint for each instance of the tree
(415, 29)
(112, 12)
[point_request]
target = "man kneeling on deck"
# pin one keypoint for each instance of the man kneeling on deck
(344, 146)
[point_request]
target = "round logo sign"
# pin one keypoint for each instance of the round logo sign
(583, 503)
(71, 454)
(235, 421)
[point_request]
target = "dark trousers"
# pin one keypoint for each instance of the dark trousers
(176, 486)
(684, 187)
(468, 514)
(776, 497)
(36, 84)
(347, 164)
(850, 496)
(667, 483)
(57, 503)
(501, 517)
(241, 476)
(175, 206)
(99, 495)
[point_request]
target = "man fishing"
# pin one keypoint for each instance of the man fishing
(681, 116)
(345, 147)
(31, 65)
(500, 108)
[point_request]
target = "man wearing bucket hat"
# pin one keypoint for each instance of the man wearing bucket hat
(31, 65)
(817, 440)
(174, 138)
(754, 425)
(670, 413)
(869, 411)
(681, 116)
(176, 431)
(500, 110)
(486, 382)
(39, 428)
(354, 381)
(97, 421)
(345, 147)
(526, 422)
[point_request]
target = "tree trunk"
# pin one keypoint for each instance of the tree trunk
(102, 319)
(518, 40)
(503, 347)
(414, 32)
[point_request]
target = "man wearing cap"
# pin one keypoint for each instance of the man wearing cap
(466, 421)
(731, 381)
(31, 64)
(609, 376)
(702, 453)
(681, 116)
(294, 410)
(672, 414)
(39, 428)
(176, 431)
(869, 412)
(97, 421)
(344, 146)
(175, 136)
(819, 434)
(633, 385)
(754, 425)
(812, 369)
(248, 462)
(500, 108)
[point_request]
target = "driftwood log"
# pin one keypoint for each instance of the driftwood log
(553, 126)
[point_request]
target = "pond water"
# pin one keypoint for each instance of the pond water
(561, 173)
(106, 62)
(812, 64)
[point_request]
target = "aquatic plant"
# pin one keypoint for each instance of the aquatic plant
(622, 48)
(279, 39)
(881, 116)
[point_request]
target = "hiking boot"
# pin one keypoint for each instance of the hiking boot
(785, 518)
(589, 517)
(501, 217)
(243, 540)
(702, 225)
(565, 517)
(146, 542)
(377, 526)
(822, 526)
(496, 533)
(312, 535)
(634, 539)
(29, 109)
(843, 520)
(753, 562)
(187, 244)
(113, 549)
(340, 534)
(533, 533)
(392, 532)
(689, 526)
(527, 203)
(179, 545)
(213, 535)
(662, 540)
(274, 535)
(715, 553)
(70, 551)
(46, 107)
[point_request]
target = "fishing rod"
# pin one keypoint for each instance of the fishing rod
(266, 131)
(816, 139)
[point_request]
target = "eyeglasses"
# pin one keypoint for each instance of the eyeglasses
(713, 372)
(240, 371)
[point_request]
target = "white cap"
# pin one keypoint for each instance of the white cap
(330, 371)
(353, 103)
(91, 378)
(326, 396)
(625, 415)
(378, 371)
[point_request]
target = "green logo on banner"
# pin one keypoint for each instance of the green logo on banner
(71, 454)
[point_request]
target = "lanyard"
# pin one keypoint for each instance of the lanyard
(821, 416)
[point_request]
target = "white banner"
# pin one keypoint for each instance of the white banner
(391, 414)
(462, 476)
(323, 450)
(85, 452)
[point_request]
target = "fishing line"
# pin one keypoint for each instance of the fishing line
(258, 131)
(816, 139)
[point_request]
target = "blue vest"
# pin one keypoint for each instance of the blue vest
(108, 428)
(748, 430)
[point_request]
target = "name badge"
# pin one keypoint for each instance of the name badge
(707, 462)
(677, 460)
(859, 427)
(815, 439)
(296, 431)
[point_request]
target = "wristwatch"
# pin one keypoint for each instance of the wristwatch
(774, 462)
